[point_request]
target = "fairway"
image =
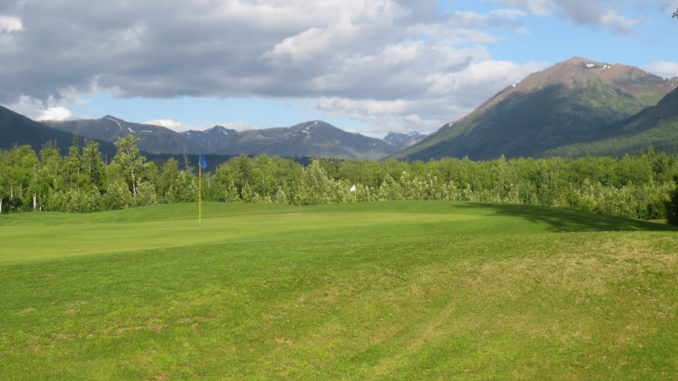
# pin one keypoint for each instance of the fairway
(391, 290)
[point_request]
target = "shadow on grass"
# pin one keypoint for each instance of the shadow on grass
(567, 220)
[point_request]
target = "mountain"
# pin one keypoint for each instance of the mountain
(655, 126)
(313, 139)
(572, 102)
(16, 129)
(401, 141)
(153, 139)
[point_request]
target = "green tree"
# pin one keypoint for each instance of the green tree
(129, 160)
(117, 196)
(92, 165)
(22, 166)
(52, 164)
(4, 178)
(315, 185)
(169, 179)
(672, 206)
(72, 170)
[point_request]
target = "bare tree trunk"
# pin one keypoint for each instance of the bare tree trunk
(134, 185)
(35, 202)
(187, 166)
(0, 205)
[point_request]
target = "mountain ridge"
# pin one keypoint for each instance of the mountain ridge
(570, 102)
(17, 129)
(153, 139)
(312, 138)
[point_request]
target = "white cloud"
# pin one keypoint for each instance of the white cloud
(508, 13)
(450, 96)
(179, 127)
(620, 24)
(603, 13)
(664, 69)
(10, 24)
(55, 113)
(168, 123)
(50, 109)
(537, 7)
(394, 115)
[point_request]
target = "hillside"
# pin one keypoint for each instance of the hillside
(656, 126)
(311, 139)
(153, 139)
(16, 129)
(571, 102)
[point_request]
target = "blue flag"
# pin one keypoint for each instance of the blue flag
(203, 162)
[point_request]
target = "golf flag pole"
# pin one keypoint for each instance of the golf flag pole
(202, 165)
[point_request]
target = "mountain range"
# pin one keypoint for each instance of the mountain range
(574, 108)
(309, 139)
(577, 101)
(312, 139)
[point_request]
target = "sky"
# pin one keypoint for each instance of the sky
(368, 66)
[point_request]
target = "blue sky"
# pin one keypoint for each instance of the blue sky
(369, 66)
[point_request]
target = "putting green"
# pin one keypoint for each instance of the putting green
(30, 242)
(53, 235)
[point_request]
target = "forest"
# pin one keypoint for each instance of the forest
(635, 186)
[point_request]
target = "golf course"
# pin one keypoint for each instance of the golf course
(362, 291)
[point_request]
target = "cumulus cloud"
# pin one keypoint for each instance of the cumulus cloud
(178, 126)
(10, 24)
(398, 63)
(620, 24)
(49, 109)
(168, 123)
(449, 96)
(376, 50)
(538, 7)
(55, 113)
(602, 13)
(664, 69)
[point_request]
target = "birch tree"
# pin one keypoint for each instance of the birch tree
(129, 160)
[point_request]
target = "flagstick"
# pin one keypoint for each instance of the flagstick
(199, 194)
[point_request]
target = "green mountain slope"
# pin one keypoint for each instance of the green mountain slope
(571, 102)
(656, 126)
(16, 129)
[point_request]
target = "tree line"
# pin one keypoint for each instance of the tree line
(635, 186)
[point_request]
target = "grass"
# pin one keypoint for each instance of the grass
(401, 290)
